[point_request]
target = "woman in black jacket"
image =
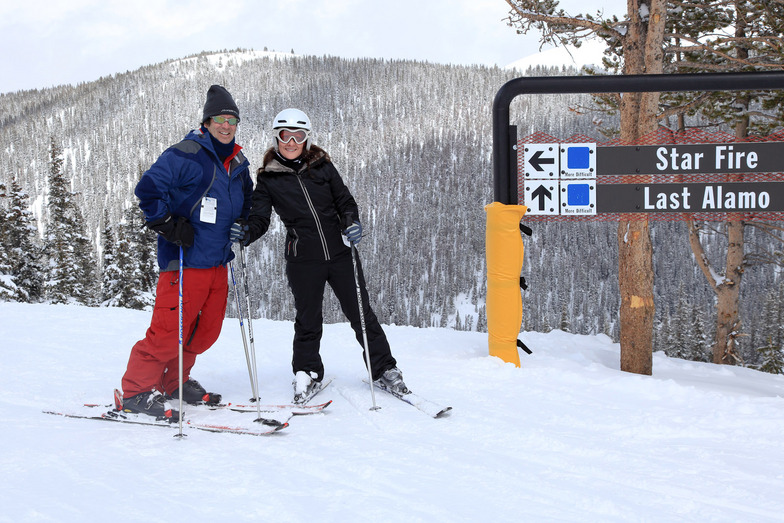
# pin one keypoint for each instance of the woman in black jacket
(300, 182)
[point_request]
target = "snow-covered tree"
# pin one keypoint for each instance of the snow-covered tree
(71, 264)
(21, 246)
(111, 276)
(128, 278)
(772, 358)
(6, 285)
(135, 246)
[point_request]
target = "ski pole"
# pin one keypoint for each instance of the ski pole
(242, 330)
(244, 271)
(179, 321)
(362, 322)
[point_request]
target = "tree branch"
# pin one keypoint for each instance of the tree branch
(699, 254)
(525, 14)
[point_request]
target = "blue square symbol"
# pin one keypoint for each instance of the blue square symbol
(578, 157)
(578, 194)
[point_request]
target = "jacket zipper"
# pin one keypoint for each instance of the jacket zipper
(315, 218)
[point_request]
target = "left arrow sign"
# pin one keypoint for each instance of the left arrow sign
(540, 161)
(537, 161)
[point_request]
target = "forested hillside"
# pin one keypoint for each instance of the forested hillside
(413, 142)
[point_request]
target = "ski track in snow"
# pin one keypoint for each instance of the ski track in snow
(566, 437)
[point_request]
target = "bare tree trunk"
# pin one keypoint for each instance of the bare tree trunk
(728, 299)
(728, 288)
(635, 275)
(643, 55)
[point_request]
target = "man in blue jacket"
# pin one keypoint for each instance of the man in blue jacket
(190, 196)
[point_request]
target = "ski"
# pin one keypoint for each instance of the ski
(142, 419)
(294, 410)
(430, 408)
(191, 409)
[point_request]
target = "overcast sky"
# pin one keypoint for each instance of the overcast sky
(53, 42)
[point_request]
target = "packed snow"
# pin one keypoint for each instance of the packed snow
(566, 437)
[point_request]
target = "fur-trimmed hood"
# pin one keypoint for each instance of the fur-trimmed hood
(311, 158)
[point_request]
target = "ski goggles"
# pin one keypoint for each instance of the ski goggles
(221, 119)
(286, 135)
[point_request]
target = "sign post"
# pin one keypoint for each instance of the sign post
(579, 194)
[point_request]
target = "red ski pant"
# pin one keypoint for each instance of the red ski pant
(154, 360)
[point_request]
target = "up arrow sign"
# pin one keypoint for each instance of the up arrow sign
(540, 161)
(543, 195)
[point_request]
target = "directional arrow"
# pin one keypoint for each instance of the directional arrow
(537, 161)
(543, 195)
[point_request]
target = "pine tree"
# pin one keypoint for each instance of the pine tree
(110, 275)
(681, 336)
(564, 324)
(727, 37)
(6, 287)
(21, 246)
(636, 45)
(772, 358)
(128, 277)
(70, 257)
(136, 264)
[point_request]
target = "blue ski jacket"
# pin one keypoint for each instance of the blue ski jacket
(190, 180)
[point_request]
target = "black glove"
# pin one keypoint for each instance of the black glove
(240, 232)
(179, 231)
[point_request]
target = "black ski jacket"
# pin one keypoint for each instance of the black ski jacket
(313, 203)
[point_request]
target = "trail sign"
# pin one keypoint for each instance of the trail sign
(578, 197)
(551, 168)
(540, 161)
(721, 158)
(541, 197)
(691, 198)
(552, 172)
(577, 160)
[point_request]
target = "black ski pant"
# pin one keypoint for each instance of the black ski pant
(307, 281)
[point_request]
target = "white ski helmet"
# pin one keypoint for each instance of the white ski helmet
(291, 119)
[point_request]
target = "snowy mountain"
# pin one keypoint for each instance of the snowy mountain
(411, 139)
(590, 53)
(413, 142)
(567, 437)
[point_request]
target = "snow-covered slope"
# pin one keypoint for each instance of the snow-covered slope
(567, 437)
